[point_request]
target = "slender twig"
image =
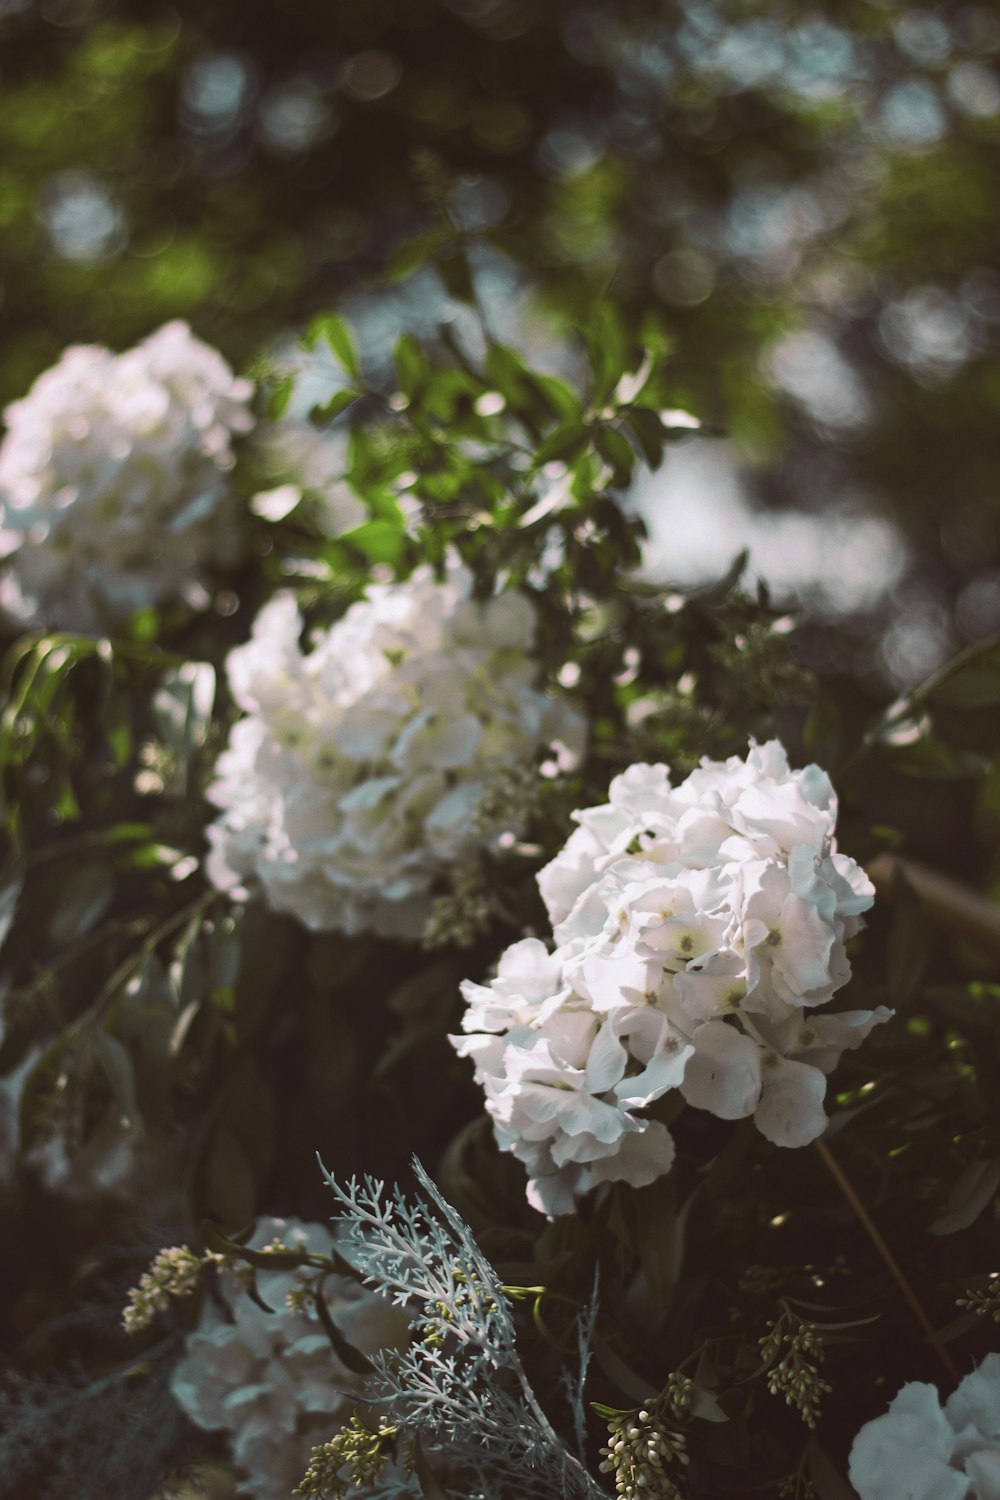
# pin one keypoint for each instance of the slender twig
(890, 1261)
(904, 708)
(956, 906)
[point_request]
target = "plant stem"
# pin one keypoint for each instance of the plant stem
(890, 1261)
(905, 707)
(956, 906)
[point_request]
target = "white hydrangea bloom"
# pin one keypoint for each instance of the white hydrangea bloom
(352, 783)
(563, 1078)
(114, 481)
(272, 1381)
(698, 928)
(917, 1451)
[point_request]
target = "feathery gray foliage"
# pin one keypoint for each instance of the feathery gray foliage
(461, 1385)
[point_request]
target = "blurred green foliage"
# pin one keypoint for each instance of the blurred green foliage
(804, 194)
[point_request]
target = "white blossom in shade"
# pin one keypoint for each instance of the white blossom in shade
(919, 1451)
(563, 1082)
(352, 783)
(699, 931)
(115, 489)
(271, 1380)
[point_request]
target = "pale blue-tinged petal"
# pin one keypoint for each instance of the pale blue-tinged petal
(606, 1063)
(724, 1075)
(790, 1112)
(904, 1455)
(976, 1402)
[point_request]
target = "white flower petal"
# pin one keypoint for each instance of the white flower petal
(724, 1075)
(904, 1455)
(700, 929)
(352, 786)
(790, 1111)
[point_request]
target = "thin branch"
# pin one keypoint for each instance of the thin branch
(956, 906)
(890, 1261)
(905, 708)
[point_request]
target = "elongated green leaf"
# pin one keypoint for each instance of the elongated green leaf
(975, 1189)
(280, 398)
(932, 760)
(412, 366)
(325, 411)
(430, 1486)
(345, 1351)
(82, 896)
(656, 1230)
(566, 440)
(40, 1089)
(825, 1479)
(333, 331)
(10, 895)
(116, 1065)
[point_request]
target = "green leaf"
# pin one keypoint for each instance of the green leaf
(183, 704)
(217, 1239)
(380, 541)
(716, 593)
(189, 1009)
(40, 1087)
(430, 1485)
(505, 372)
(345, 1351)
(411, 255)
(647, 430)
(82, 896)
(452, 265)
(560, 398)
(561, 443)
(932, 760)
(116, 720)
(412, 366)
(280, 398)
(627, 1380)
(705, 1406)
(10, 894)
(974, 686)
(608, 349)
(116, 1065)
(975, 1189)
(657, 1237)
(332, 330)
(325, 411)
(617, 451)
(144, 626)
(825, 1479)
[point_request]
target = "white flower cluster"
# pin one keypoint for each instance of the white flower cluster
(917, 1451)
(114, 481)
(698, 928)
(272, 1381)
(353, 782)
